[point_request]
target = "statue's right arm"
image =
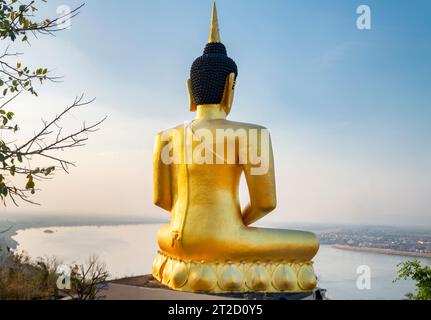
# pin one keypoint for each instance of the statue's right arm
(162, 180)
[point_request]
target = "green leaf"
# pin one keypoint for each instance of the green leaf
(4, 191)
(30, 183)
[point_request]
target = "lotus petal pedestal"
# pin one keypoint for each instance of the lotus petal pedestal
(229, 276)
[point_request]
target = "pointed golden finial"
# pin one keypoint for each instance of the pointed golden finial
(215, 31)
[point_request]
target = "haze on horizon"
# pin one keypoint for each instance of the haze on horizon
(348, 110)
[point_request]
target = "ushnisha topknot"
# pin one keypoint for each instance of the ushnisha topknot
(209, 72)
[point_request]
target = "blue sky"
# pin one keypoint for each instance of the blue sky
(349, 110)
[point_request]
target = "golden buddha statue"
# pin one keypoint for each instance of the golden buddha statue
(209, 245)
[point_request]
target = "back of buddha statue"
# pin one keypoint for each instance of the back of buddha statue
(209, 244)
(202, 163)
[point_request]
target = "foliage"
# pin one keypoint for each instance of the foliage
(421, 275)
(21, 279)
(87, 280)
(18, 21)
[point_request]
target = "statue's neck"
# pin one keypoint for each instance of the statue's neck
(210, 112)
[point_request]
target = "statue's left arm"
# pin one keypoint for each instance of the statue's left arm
(260, 179)
(162, 180)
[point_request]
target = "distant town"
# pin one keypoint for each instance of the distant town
(383, 240)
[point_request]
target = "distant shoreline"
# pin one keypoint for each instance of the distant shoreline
(382, 251)
(25, 222)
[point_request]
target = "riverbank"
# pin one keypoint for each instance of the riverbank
(383, 251)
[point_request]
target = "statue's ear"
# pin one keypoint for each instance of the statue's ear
(229, 92)
(193, 106)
